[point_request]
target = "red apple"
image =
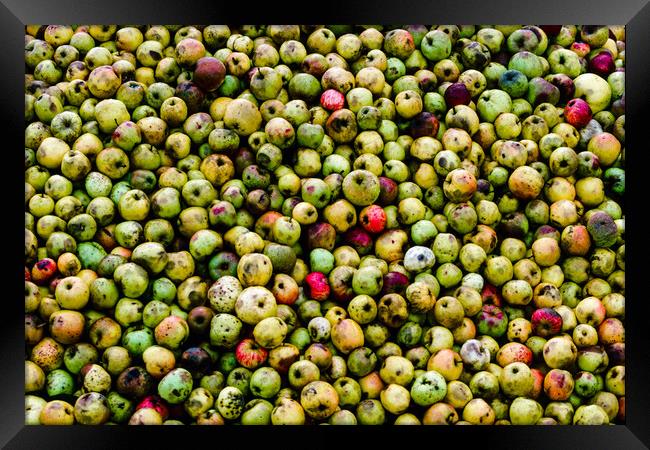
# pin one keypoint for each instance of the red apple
(316, 286)
(564, 84)
(514, 352)
(616, 353)
(546, 322)
(54, 283)
(154, 402)
(457, 94)
(373, 218)
(621, 410)
(424, 124)
(209, 73)
(538, 382)
(611, 331)
(602, 64)
(43, 271)
(491, 295)
(387, 191)
(359, 239)
(332, 100)
(321, 235)
(249, 354)
(580, 48)
(558, 385)
(191, 94)
(394, 283)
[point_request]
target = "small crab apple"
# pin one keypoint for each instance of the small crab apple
(565, 85)
(373, 218)
(424, 124)
(285, 289)
(249, 354)
(358, 239)
(492, 321)
(580, 48)
(317, 287)
(491, 295)
(558, 384)
(321, 235)
(332, 100)
(43, 271)
(559, 352)
(155, 402)
(209, 73)
(538, 383)
(602, 64)
(387, 191)
(546, 322)
(577, 113)
(514, 352)
(457, 94)
(394, 282)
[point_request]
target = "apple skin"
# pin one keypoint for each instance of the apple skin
(373, 219)
(316, 286)
(594, 35)
(558, 384)
(387, 191)
(621, 410)
(602, 64)
(541, 91)
(538, 383)
(560, 352)
(491, 295)
(359, 239)
(191, 94)
(457, 94)
(332, 100)
(492, 321)
(514, 83)
(524, 411)
(155, 402)
(546, 322)
(527, 63)
(321, 235)
(43, 271)
(424, 124)
(580, 48)
(394, 283)
(209, 73)
(577, 113)
(566, 36)
(514, 352)
(616, 353)
(249, 354)
(517, 380)
(565, 85)
(474, 355)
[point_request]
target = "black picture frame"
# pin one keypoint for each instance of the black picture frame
(635, 14)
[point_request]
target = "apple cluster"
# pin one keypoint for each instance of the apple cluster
(288, 225)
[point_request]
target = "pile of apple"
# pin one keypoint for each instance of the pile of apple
(285, 224)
